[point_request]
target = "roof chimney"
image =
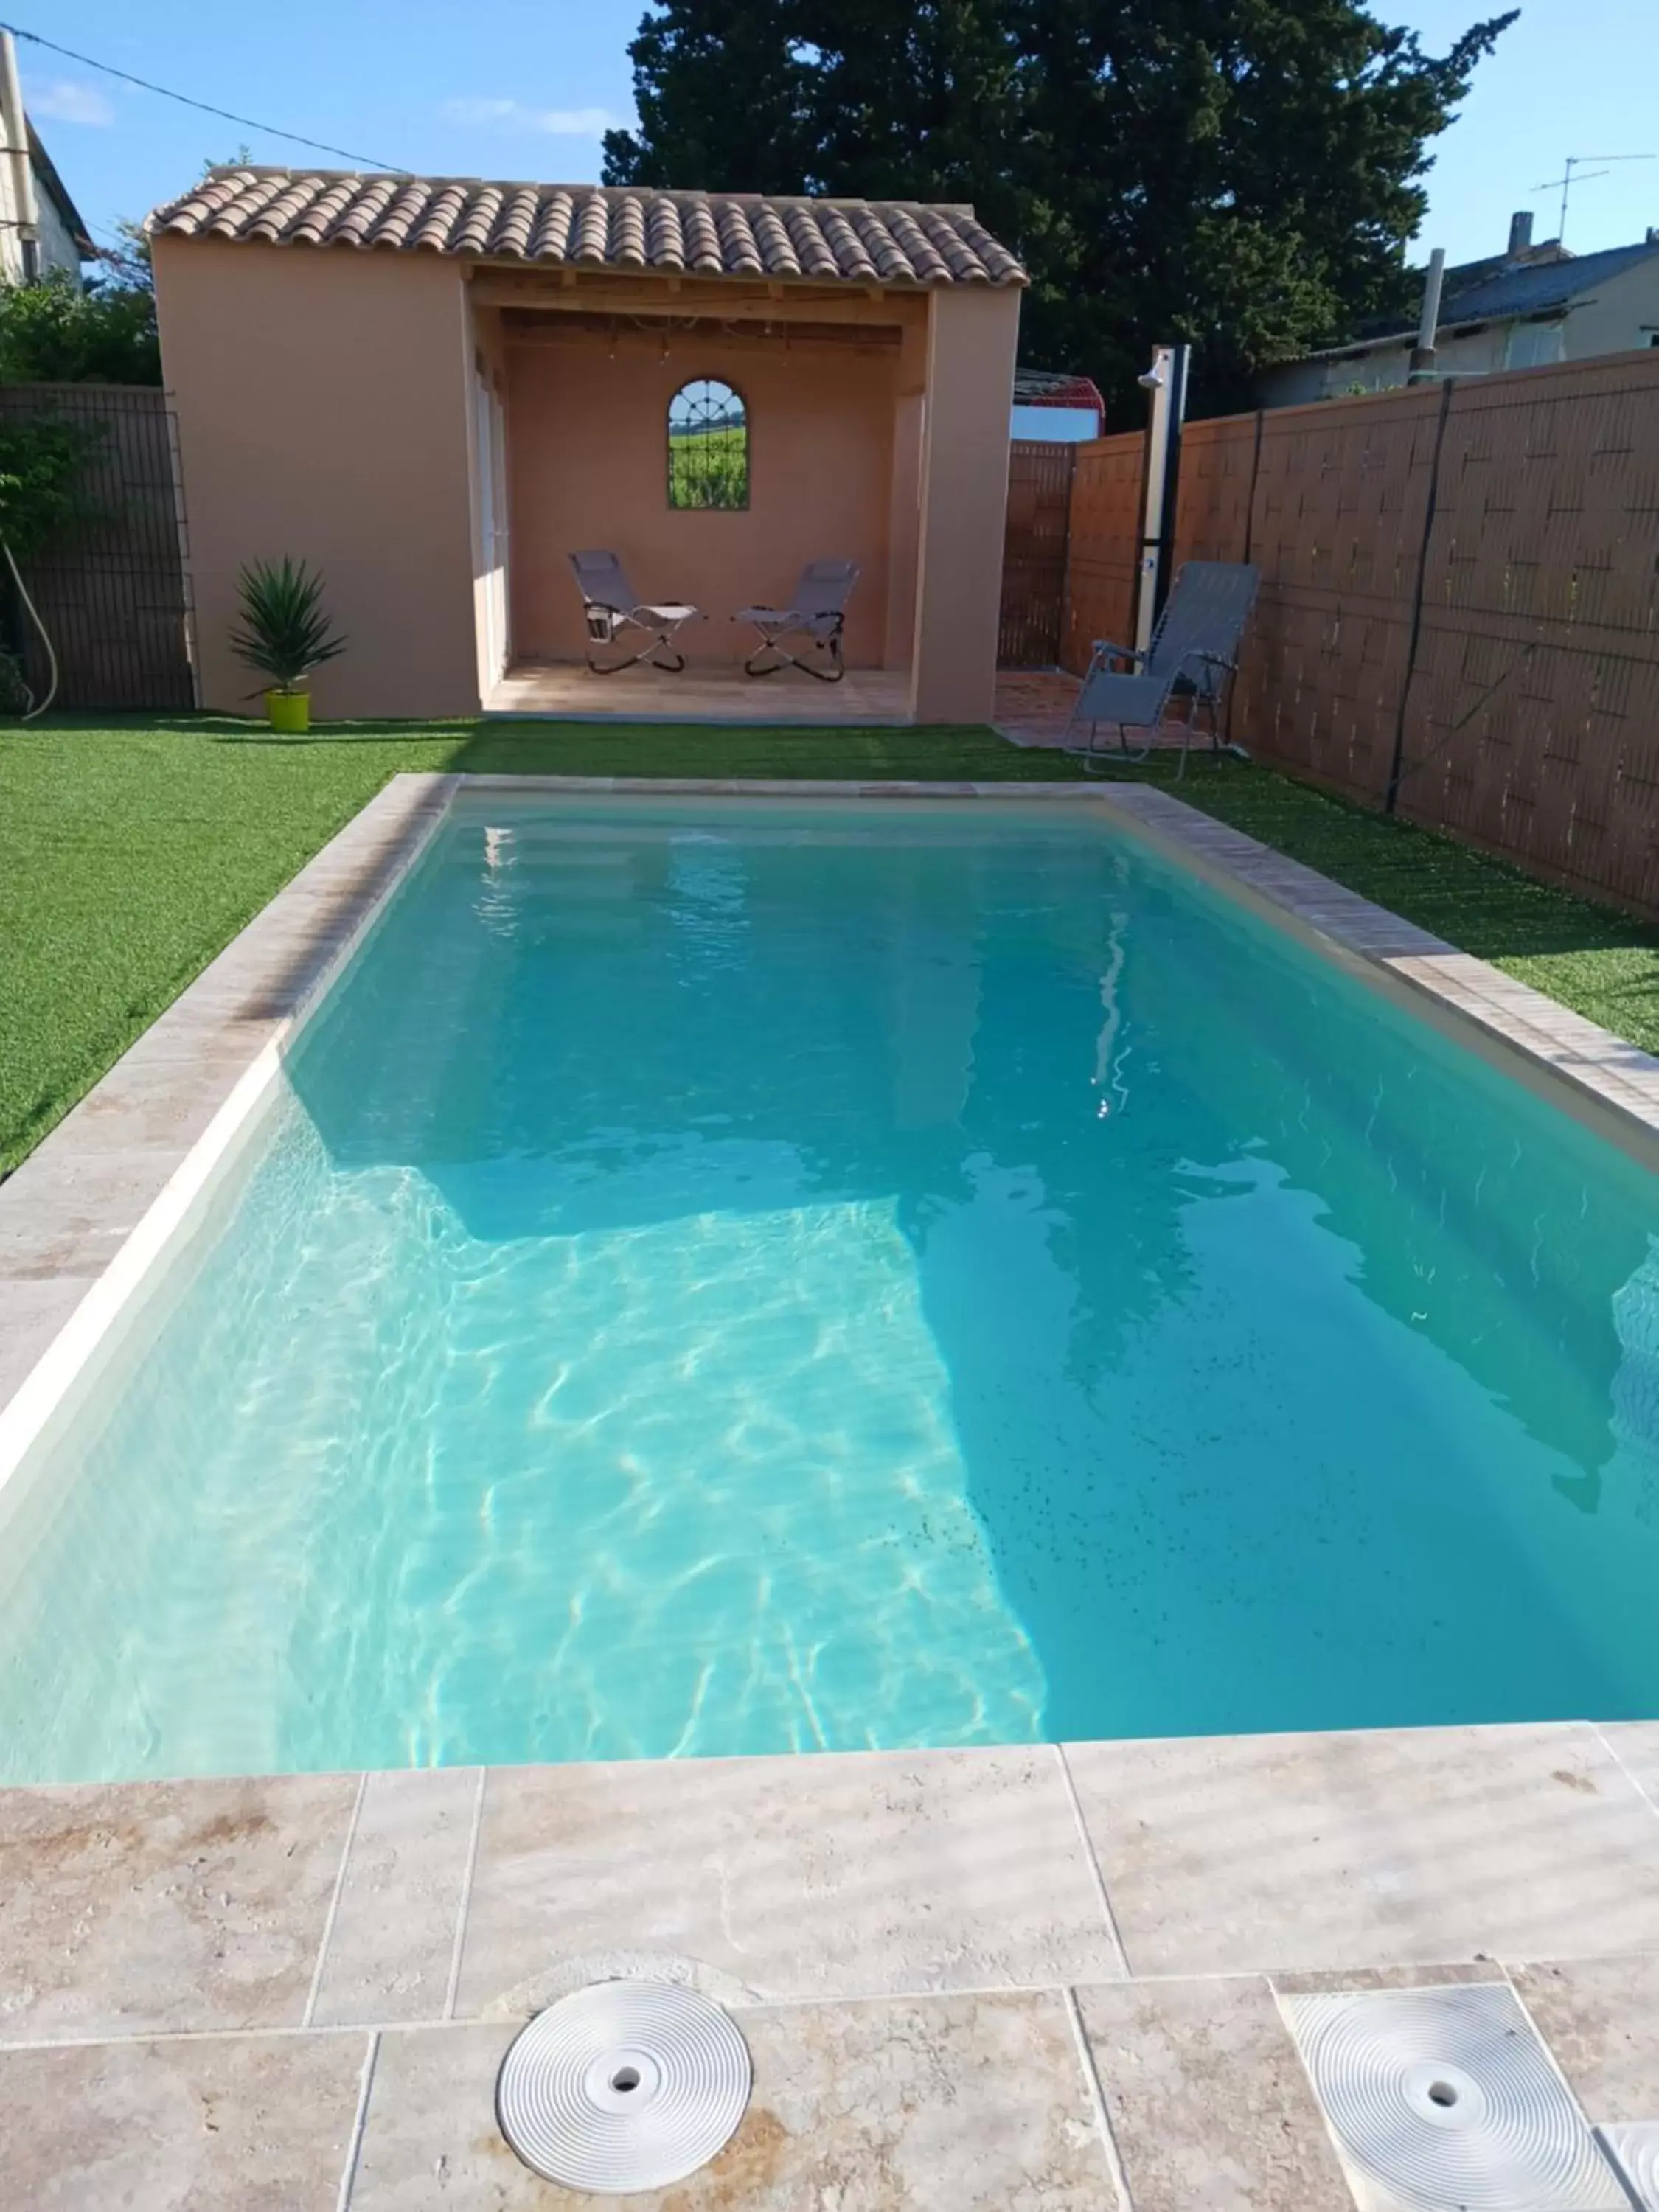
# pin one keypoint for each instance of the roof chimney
(1520, 235)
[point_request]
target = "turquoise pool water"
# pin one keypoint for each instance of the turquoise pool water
(731, 1277)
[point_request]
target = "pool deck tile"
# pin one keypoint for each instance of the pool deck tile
(945, 2103)
(1634, 1745)
(769, 1879)
(1207, 2099)
(391, 1943)
(193, 1905)
(232, 2123)
(1601, 2019)
(36, 1307)
(78, 1209)
(1234, 1854)
(1423, 1974)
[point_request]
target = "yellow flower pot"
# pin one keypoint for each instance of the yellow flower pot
(288, 712)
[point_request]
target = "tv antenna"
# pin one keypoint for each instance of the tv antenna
(1582, 162)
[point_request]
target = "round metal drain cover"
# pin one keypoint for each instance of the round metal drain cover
(1635, 2146)
(1446, 2099)
(625, 2086)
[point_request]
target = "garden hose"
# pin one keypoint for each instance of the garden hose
(45, 640)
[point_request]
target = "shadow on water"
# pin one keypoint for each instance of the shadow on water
(1281, 1337)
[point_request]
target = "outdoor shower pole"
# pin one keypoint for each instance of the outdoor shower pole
(1166, 380)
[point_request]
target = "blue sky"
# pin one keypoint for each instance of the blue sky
(415, 87)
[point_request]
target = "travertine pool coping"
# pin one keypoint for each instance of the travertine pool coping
(1032, 1976)
(1040, 1976)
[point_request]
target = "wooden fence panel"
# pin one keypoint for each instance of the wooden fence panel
(1033, 555)
(1460, 601)
(1218, 477)
(1100, 593)
(1532, 726)
(1336, 527)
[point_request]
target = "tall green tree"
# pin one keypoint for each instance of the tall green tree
(1243, 174)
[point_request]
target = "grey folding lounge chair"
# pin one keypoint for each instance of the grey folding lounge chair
(613, 607)
(1193, 649)
(815, 616)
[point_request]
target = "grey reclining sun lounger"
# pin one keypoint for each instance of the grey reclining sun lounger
(1194, 647)
(815, 615)
(613, 607)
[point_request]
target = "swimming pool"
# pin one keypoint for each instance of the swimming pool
(744, 1275)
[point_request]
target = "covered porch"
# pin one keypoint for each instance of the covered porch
(569, 691)
(717, 431)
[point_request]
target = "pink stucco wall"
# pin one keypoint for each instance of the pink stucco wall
(972, 335)
(322, 403)
(587, 415)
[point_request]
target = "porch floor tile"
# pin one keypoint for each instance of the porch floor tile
(568, 691)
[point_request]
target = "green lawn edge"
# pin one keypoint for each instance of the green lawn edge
(133, 849)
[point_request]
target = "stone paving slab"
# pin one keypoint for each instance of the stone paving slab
(945, 2103)
(1233, 1854)
(1634, 1745)
(141, 1923)
(393, 1943)
(1601, 2019)
(1208, 2100)
(237, 2124)
(135, 1908)
(844, 1874)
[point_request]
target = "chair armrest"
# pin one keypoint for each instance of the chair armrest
(1209, 660)
(1118, 651)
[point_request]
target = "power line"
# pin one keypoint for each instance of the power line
(266, 130)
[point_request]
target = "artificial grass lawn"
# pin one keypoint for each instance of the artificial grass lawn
(130, 854)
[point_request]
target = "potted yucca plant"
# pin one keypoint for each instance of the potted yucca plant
(284, 634)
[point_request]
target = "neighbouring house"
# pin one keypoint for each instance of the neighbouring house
(1052, 408)
(435, 389)
(1519, 309)
(40, 227)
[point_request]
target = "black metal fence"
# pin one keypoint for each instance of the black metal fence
(111, 588)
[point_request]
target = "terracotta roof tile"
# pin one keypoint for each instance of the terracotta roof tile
(595, 226)
(515, 226)
(552, 236)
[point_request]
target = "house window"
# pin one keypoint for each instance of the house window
(707, 446)
(1535, 345)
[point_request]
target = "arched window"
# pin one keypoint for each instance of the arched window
(707, 446)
